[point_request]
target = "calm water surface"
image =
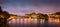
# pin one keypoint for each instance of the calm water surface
(34, 23)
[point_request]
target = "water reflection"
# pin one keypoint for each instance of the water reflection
(54, 21)
(34, 22)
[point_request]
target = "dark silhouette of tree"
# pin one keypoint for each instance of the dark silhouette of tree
(46, 21)
(40, 17)
(4, 18)
(6, 14)
(1, 19)
(58, 13)
(46, 17)
(0, 9)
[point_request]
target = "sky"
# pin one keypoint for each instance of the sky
(21, 7)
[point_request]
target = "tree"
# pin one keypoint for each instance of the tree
(6, 14)
(1, 19)
(4, 18)
(41, 16)
(46, 17)
(0, 9)
(58, 13)
(46, 21)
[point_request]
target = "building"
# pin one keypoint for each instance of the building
(34, 16)
(55, 15)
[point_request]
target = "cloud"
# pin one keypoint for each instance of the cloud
(29, 6)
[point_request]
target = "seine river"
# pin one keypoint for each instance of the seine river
(34, 23)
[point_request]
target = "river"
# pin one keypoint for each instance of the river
(34, 23)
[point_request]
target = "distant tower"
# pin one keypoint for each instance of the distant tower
(0, 9)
